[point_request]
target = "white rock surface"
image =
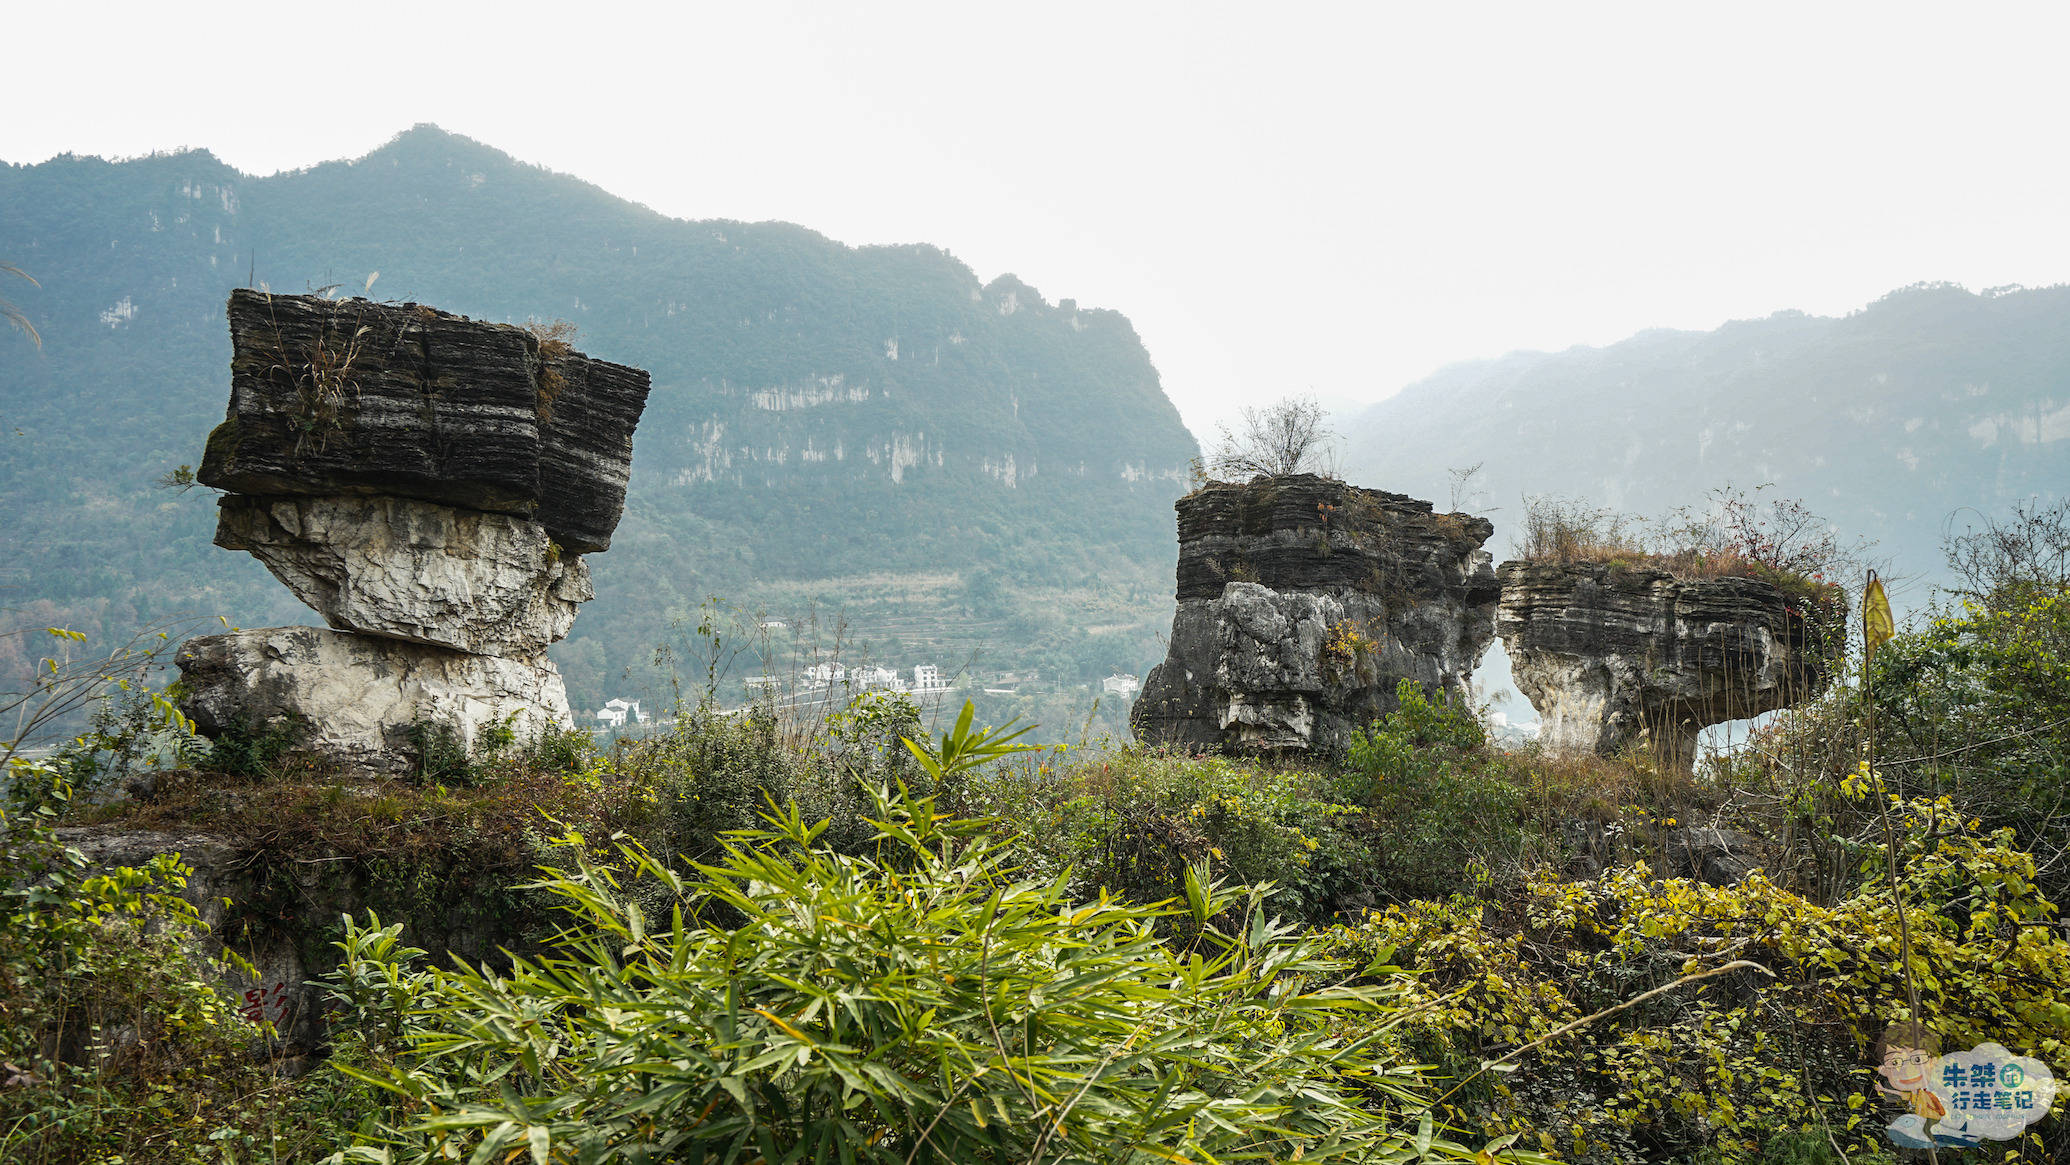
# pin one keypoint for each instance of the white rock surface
(488, 584)
(351, 699)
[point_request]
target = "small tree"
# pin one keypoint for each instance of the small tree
(1290, 436)
(2009, 561)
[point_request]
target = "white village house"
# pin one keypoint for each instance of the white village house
(615, 713)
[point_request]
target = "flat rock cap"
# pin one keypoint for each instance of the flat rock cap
(331, 397)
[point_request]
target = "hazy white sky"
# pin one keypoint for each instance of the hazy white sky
(1283, 197)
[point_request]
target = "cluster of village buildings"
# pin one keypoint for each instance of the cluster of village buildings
(821, 678)
(863, 677)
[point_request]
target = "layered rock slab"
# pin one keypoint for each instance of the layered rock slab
(354, 702)
(485, 583)
(331, 397)
(1303, 602)
(1614, 656)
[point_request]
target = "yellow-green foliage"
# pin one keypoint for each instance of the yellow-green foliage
(1347, 645)
(1134, 823)
(1738, 1059)
(116, 1035)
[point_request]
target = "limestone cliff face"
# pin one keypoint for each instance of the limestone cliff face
(426, 483)
(1612, 656)
(1303, 601)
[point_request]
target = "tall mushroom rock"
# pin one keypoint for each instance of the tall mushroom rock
(1613, 656)
(428, 484)
(1303, 602)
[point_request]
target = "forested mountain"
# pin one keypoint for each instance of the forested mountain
(867, 432)
(1931, 402)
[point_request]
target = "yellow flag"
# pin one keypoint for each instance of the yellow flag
(1876, 625)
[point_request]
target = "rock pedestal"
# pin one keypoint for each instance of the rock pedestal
(487, 584)
(427, 484)
(1613, 656)
(356, 700)
(1303, 602)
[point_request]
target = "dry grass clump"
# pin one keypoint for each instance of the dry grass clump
(1738, 536)
(1565, 531)
(556, 340)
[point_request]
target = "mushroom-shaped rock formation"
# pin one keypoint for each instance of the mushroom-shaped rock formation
(1614, 655)
(1303, 602)
(428, 484)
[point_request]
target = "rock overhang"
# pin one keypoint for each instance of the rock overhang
(339, 397)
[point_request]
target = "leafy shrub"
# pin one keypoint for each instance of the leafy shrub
(108, 1007)
(713, 774)
(242, 750)
(862, 749)
(1744, 1062)
(929, 1005)
(134, 729)
(572, 750)
(1438, 801)
(442, 757)
(1976, 705)
(1132, 822)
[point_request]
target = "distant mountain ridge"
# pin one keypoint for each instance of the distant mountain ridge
(819, 411)
(1887, 421)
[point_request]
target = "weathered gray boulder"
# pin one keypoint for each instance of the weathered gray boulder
(489, 584)
(1613, 656)
(332, 397)
(1303, 602)
(351, 701)
(1712, 855)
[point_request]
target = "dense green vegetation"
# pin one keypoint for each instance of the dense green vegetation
(864, 432)
(749, 938)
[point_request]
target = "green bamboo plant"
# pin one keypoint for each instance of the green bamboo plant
(924, 1004)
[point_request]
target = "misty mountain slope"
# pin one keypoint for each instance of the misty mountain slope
(1885, 421)
(820, 412)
